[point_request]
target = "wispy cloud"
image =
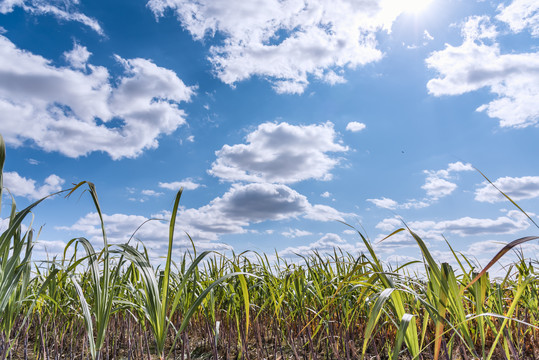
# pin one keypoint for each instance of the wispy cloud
(152, 193)
(293, 233)
(66, 11)
(187, 184)
(387, 203)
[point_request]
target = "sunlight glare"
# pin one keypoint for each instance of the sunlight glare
(416, 6)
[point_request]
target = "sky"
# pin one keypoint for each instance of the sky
(281, 120)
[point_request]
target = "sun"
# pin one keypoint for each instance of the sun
(416, 6)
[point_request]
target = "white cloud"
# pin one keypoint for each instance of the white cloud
(21, 186)
(287, 42)
(153, 234)
(437, 188)
(491, 247)
(325, 194)
(355, 126)
(66, 11)
(478, 28)
(77, 112)
(324, 213)
(415, 204)
(478, 63)
(324, 246)
(187, 184)
(459, 166)
(520, 15)
(231, 213)
(152, 193)
(437, 184)
(389, 224)
(384, 203)
(293, 233)
(513, 222)
(78, 57)
(280, 153)
(427, 35)
(4, 223)
(47, 249)
(259, 202)
(387, 203)
(484, 247)
(517, 188)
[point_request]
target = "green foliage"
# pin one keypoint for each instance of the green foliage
(252, 305)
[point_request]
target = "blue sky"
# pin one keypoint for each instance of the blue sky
(278, 118)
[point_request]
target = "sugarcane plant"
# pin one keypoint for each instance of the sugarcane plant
(16, 243)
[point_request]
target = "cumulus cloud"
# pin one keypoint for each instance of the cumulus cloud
(65, 10)
(437, 187)
(21, 186)
(517, 188)
(520, 15)
(287, 42)
(437, 184)
(459, 166)
(78, 56)
(186, 184)
(355, 126)
(280, 153)
(478, 63)
(76, 112)
(325, 194)
(259, 202)
(231, 213)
